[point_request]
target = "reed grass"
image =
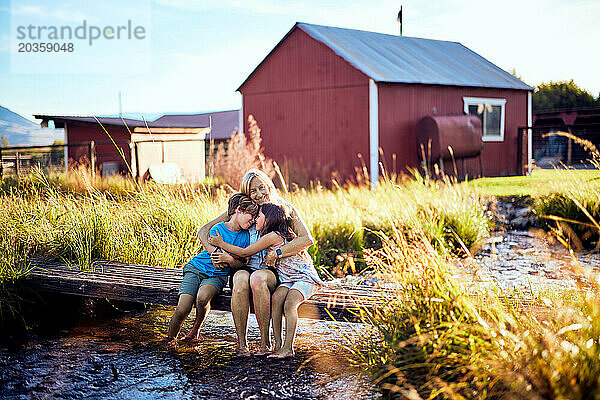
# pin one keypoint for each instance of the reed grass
(433, 339)
(574, 207)
(573, 204)
(76, 222)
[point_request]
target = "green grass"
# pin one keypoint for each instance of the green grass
(154, 224)
(344, 221)
(433, 340)
(540, 182)
(566, 201)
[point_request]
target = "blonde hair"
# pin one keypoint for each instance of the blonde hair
(262, 177)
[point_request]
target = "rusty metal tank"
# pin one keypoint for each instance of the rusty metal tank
(461, 132)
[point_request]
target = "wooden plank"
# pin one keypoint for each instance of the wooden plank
(157, 285)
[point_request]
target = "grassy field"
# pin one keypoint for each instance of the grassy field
(541, 182)
(432, 339)
(77, 220)
(566, 201)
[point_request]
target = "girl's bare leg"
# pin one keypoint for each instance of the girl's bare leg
(277, 301)
(293, 299)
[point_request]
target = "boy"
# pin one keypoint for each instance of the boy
(201, 280)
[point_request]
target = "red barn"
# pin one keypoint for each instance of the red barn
(176, 139)
(323, 95)
(120, 145)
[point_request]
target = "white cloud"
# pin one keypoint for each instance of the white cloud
(48, 14)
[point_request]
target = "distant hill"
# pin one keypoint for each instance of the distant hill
(22, 132)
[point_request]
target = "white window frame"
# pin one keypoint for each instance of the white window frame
(470, 101)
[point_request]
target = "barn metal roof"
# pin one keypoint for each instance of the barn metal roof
(402, 59)
(224, 123)
(131, 123)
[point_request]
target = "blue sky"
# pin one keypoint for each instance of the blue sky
(201, 51)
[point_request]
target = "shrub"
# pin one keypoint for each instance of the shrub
(243, 152)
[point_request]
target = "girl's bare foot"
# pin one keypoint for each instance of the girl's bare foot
(282, 354)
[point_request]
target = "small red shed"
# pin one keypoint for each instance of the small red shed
(324, 95)
(130, 146)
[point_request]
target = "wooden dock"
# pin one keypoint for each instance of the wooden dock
(156, 285)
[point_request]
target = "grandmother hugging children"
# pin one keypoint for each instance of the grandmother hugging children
(297, 275)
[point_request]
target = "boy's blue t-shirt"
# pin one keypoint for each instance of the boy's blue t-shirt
(203, 262)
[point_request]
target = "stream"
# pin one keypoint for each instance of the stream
(533, 260)
(123, 358)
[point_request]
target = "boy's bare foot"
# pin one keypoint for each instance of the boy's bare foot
(242, 351)
(191, 337)
(282, 354)
(263, 351)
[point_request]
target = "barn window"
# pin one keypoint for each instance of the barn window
(491, 114)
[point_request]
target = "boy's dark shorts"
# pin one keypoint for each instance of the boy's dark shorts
(193, 279)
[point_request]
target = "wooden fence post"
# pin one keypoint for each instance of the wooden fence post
(569, 148)
(1, 164)
(92, 152)
(17, 166)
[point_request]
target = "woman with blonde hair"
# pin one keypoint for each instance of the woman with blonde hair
(257, 279)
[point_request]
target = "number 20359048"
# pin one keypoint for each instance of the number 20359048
(45, 47)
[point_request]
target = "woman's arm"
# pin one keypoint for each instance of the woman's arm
(302, 241)
(205, 230)
(264, 242)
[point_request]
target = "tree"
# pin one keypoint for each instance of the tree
(514, 73)
(3, 141)
(561, 95)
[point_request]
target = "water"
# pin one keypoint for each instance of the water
(533, 260)
(122, 358)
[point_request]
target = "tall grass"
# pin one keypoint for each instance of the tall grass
(343, 221)
(573, 204)
(154, 224)
(433, 340)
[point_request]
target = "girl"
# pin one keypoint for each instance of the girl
(298, 277)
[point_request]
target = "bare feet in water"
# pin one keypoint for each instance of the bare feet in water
(263, 351)
(242, 351)
(282, 353)
(191, 337)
